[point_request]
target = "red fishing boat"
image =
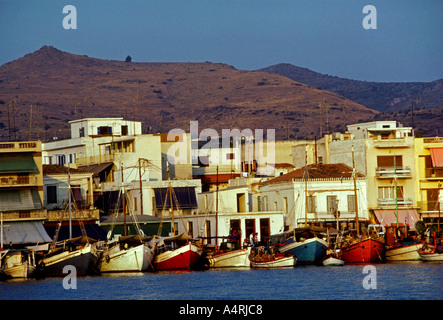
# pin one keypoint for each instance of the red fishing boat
(177, 253)
(363, 251)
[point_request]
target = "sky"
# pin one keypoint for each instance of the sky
(326, 36)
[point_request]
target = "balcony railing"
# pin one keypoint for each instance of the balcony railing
(391, 172)
(392, 143)
(390, 202)
(429, 206)
(434, 173)
(15, 181)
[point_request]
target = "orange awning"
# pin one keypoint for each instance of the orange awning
(437, 157)
(405, 216)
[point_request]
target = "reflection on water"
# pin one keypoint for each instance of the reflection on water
(398, 281)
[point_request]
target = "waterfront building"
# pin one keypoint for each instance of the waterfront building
(221, 212)
(322, 195)
(21, 193)
(429, 169)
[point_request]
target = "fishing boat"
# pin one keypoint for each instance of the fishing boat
(363, 251)
(272, 260)
(177, 253)
(432, 257)
(304, 244)
(400, 246)
(18, 263)
(127, 254)
(225, 258)
(332, 259)
(80, 252)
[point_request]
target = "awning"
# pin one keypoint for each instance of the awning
(24, 232)
(17, 163)
(437, 157)
(405, 216)
(96, 169)
(12, 200)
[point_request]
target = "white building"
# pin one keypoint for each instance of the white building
(328, 189)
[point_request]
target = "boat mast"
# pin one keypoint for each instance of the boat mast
(355, 192)
(124, 201)
(170, 199)
(395, 190)
(306, 186)
(216, 212)
(69, 201)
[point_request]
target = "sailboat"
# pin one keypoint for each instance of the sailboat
(304, 243)
(178, 252)
(18, 263)
(129, 253)
(228, 255)
(80, 252)
(357, 248)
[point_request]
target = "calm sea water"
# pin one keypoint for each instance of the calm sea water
(394, 281)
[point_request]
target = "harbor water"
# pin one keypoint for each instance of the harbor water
(390, 281)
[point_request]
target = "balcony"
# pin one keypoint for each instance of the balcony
(434, 173)
(391, 172)
(18, 181)
(390, 202)
(393, 143)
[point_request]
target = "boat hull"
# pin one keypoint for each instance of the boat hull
(432, 257)
(82, 259)
(274, 262)
(183, 258)
(365, 251)
(404, 253)
(236, 258)
(310, 251)
(24, 270)
(331, 261)
(135, 259)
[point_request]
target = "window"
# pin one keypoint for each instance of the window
(190, 229)
(388, 161)
(265, 229)
(351, 203)
(230, 156)
(285, 205)
(311, 204)
(124, 130)
(81, 132)
(104, 131)
(389, 193)
(331, 203)
(208, 230)
(51, 194)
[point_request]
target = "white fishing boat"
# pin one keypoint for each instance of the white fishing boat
(18, 263)
(229, 258)
(404, 252)
(332, 261)
(277, 260)
(432, 257)
(127, 254)
(79, 252)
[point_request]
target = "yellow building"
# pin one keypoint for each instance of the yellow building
(429, 168)
(21, 178)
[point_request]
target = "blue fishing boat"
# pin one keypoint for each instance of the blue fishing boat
(305, 244)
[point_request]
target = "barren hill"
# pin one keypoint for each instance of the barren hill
(50, 87)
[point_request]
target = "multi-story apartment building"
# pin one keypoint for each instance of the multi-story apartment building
(21, 193)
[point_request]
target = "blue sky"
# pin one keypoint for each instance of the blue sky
(323, 35)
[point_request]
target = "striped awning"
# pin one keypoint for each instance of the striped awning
(405, 216)
(437, 157)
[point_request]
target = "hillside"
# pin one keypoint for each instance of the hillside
(381, 96)
(51, 87)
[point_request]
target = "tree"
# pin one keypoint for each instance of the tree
(128, 59)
